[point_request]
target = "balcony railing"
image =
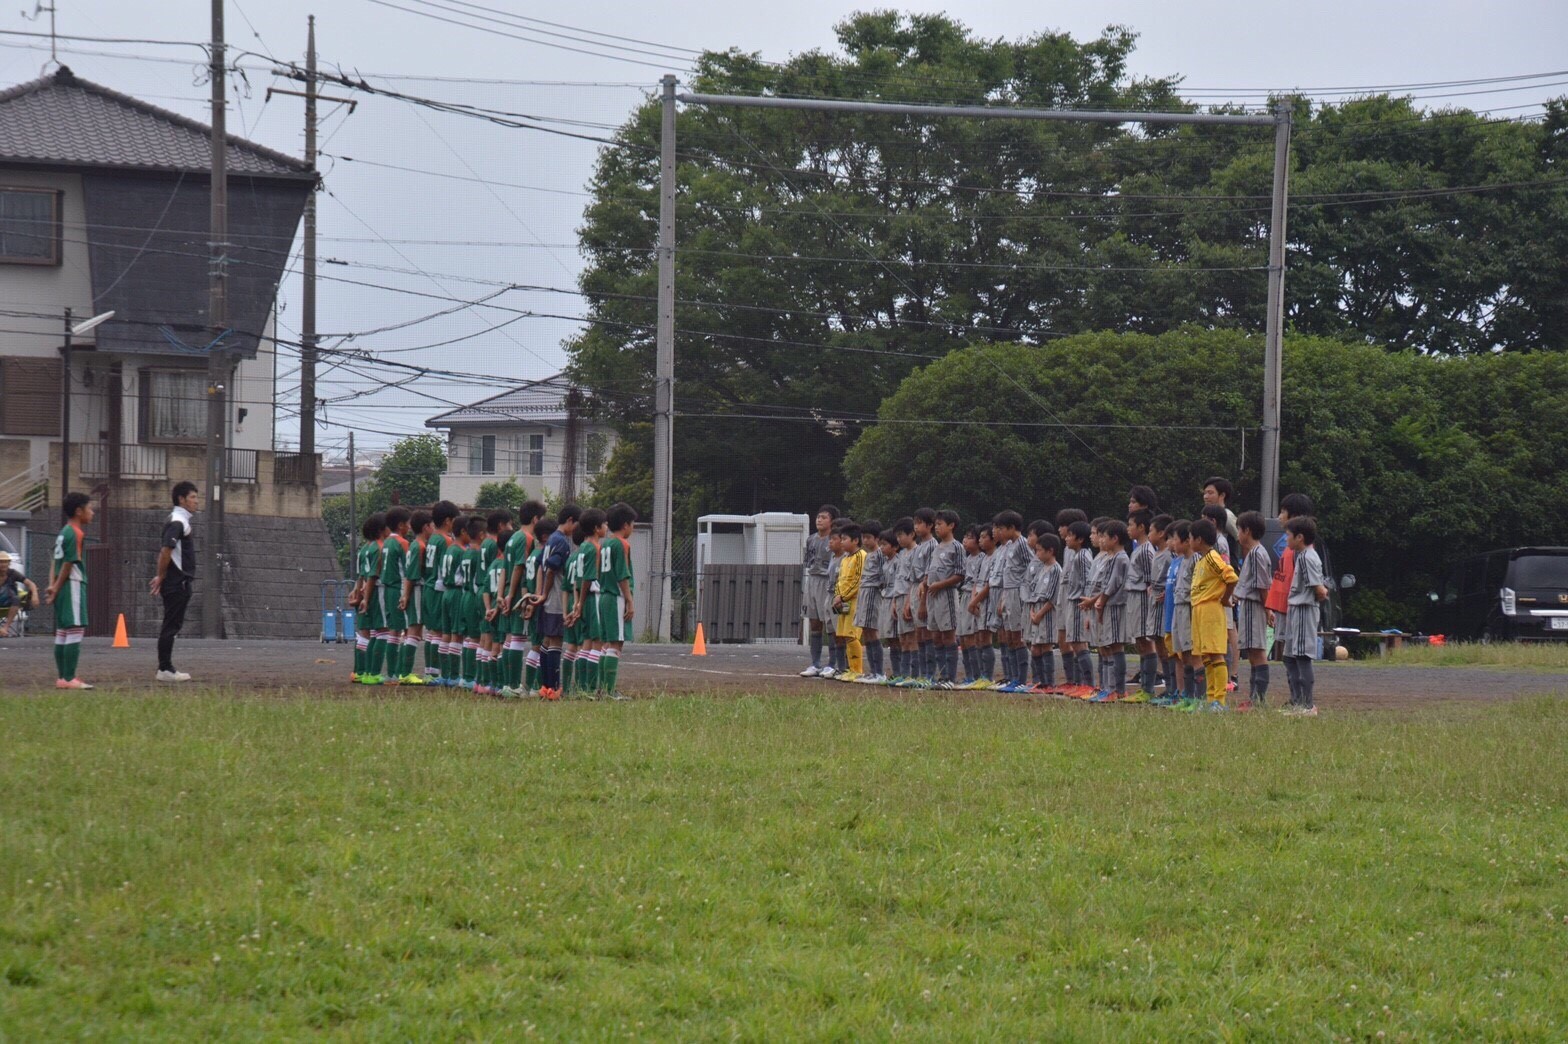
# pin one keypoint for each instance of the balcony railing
(296, 468)
(242, 466)
(101, 460)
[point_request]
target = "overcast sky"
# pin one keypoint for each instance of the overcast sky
(523, 231)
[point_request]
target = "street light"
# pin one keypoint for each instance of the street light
(65, 402)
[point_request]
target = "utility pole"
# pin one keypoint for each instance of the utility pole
(308, 337)
(1274, 325)
(217, 357)
(65, 410)
(307, 351)
(353, 510)
(664, 374)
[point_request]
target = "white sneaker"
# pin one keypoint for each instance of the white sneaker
(826, 672)
(173, 676)
(811, 672)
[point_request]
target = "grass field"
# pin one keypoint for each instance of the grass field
(1518, 656)
(776, 868)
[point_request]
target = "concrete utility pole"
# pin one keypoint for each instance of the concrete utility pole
(308, 336)
(1274, 335)
(65, 412)
(353, 510)
(307, 350)
(664, 376)
(217, 356)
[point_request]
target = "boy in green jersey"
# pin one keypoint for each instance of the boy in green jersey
(367, 607)
(420, 529)
(574, 665)
(491, 629)
(594, 529)
(68, 589)
(441, 516)
(389, 589)
(614, 609)
(514, 598)
(471, 566)
(452, 603)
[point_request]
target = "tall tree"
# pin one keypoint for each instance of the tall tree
(822, 258)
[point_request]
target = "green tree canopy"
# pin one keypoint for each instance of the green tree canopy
(411, 470)
(822, 257)
(1411, 460)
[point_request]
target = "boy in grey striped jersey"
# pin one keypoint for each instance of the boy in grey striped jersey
(816, 595)
(925, 518)
(1254, 575)
(1140, 584)
(868, 605)
(944, 572)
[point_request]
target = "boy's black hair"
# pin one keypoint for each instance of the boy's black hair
(569, 513)
(1050, 540)
(1079, 529)
(182, 490)
(1253, 523)
(852, 531)
(419, 520)
(73, 503)
(1206, 531)
(620, 515)
(530, 511)
(887, 536)
(1067, 516)
(1216, 514)
(373, 526)
(832, 510)
(1221, 486)
(1098, 525)
(1040, 526)
(926, 515)
(442, 511)
(1116, 529)
(903, 525)
(397, 514)
(1145, 496)
(1007, 519)
(987, 528)
(840, 524)
(1160, 523)
(1305, 528)
(590, 521)
(476, 527)
(496, 519)
(949, 516)
(1296, 505)
(543, 528)
(1142, 517)
(1181, 529)
(459, 524)
(871, 526)
(974, 530)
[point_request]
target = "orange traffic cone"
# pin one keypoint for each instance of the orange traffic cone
(699, 647)
(121, 640)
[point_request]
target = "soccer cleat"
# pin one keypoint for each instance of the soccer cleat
(1162, 701)
(1104, 696)
(826, 672)
(1217, 707)
(846, 676)
(1137, 696)
(617, 696)
(413, 679)
(1243, 706)
(811, 672)
(550, 695)
(172, 676)
(392, 680)
(370, 679)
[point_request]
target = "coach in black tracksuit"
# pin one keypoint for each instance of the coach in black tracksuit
(176, 570)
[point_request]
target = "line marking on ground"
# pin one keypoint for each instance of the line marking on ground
(702, 670)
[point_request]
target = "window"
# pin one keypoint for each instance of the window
(29, 226)
(481, 454)
(29, 396)
(595, 450)
(173, 406)
(536, 454)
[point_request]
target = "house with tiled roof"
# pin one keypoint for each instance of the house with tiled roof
(540, 434)
(105, 207)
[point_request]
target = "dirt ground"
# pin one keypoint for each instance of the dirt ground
(27, 667)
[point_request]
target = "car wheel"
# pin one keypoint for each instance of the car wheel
(1496, 631)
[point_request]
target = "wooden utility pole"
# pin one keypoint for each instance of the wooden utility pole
(217, 355)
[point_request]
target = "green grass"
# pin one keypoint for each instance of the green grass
(1517, 656)
(777, 868)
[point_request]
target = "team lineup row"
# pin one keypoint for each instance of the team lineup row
(925, 595)
(504, 605)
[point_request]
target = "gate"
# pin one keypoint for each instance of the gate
(751, 603)
(102, 588)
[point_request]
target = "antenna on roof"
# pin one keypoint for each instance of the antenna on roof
(54, 49)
